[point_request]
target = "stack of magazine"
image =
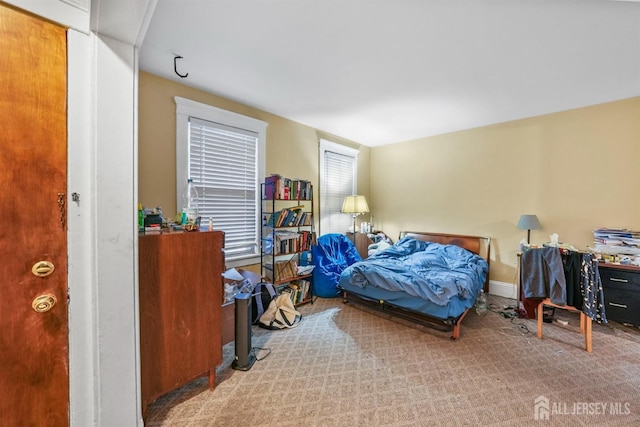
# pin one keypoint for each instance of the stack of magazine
(620, 244)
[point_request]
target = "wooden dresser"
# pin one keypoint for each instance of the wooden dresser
(180, 310)
(361, 242)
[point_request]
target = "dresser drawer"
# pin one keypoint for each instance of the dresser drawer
(620, 279)
(622, 306)
(621, 294)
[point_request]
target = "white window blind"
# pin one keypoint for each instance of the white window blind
(223, 166)
(338, 172)
(224, 154)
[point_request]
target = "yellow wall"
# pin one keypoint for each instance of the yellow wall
(576, 170)
(292, 148)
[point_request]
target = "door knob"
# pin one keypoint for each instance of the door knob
(44, 303)
(42, 268)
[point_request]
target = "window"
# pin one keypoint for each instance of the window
(223, 153)
(338, 177)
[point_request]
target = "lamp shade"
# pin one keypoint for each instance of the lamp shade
(355, 205)
(529, 222)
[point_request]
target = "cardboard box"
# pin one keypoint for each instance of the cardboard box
(232, 280)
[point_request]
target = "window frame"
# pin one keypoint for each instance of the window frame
(186, 108)
(326, 145)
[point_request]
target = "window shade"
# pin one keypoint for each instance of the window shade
(338, 181)
(223, 166)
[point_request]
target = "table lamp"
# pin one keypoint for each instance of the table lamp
(355, 205)
(529, 222)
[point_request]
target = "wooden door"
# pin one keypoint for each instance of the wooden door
(34, 361)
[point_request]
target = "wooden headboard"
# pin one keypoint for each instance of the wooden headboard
(479, 245)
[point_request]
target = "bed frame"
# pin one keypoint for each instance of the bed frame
(477, 244)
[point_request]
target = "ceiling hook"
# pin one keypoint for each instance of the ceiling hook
(175, 68)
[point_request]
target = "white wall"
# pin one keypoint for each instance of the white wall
(103, 310)
(103, 316)
(116, 232)
(81, 234)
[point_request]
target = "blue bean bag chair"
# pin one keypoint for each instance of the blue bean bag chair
(331, 255)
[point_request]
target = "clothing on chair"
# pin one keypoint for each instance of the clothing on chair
(572, 261)
(543, 275)
(593, 300)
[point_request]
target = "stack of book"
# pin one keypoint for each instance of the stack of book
(294, 216)
(298, 291)
(287, 242)
(281, 271)
(618, 245)
(279, 188)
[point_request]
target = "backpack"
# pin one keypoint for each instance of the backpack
(262, 295)
(280, 314)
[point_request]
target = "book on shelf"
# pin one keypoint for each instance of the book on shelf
(285, 190)
(281, 188)
(297, 290)
(281, 270)
(273, 219)
(293, 216)
(289, 215)
(285, 234)
(302, 290)
(271, 186)
(285, 242)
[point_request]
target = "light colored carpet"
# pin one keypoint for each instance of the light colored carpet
(345, 366)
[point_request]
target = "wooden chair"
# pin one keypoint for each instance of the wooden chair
(585, 321)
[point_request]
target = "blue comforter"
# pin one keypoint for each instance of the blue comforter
(427, 270)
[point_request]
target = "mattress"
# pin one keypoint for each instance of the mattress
(454, 309)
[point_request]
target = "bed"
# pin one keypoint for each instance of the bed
(428, 278)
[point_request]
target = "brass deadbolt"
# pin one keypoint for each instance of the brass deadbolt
(44, 303)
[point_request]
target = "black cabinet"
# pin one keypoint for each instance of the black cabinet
(621, 285)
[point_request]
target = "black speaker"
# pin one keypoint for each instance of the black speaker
(244, 356)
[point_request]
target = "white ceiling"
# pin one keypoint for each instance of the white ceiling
(378, 72)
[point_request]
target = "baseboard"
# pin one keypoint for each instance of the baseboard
(502, 289)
